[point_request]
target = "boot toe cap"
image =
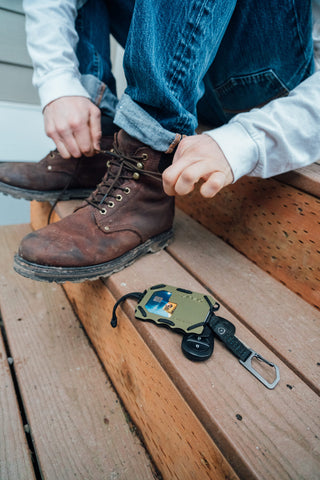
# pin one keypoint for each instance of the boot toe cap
(34, 248)
(61, 244)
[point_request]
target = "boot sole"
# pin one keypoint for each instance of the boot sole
(43, 196)
(45, 273)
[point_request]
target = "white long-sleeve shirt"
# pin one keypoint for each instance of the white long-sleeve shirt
(281, 136)
(52, 41)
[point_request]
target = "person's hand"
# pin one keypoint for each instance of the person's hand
(197, 157)
(74, 125)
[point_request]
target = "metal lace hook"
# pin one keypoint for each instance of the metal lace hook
(248, 365)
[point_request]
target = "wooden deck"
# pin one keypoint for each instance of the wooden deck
(60, 418)
(211, 420)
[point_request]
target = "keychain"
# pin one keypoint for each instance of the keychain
(194, 315)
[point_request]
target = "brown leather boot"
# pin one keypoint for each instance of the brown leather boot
(127, 216)
(54, 176)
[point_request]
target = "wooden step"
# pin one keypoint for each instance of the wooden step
(275, 225)
(306, 179)
(210, 420)
(15, 460)
(77, 424)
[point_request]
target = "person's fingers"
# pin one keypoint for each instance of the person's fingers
(188, 153)
(197, 158)
(73, 123)
(64, 152)
(87, 131)
(213, 184)
(168, 186)
(83, 140)
(95, 127)
(190, 175)
(173, 172)
(80, 129)
(62, 136)
(170, 177)
(70, 141)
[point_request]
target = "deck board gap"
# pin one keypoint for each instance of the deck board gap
(22, 410)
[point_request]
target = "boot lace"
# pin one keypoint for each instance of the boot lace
(120, 169)
(67, 185)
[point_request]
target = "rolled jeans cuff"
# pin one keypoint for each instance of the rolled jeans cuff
(140, 125)
(100, 94)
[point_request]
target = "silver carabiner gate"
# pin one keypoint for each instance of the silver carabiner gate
(248, 365)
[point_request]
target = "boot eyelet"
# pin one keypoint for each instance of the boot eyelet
(127, 190)
(108, 163)
(145, 156)
(103, 211)
(140, 165)
(111, 150)
(49, 167)
(110, 204)
(51, 155)
(119, 198)
(106, 228)
(136, 176)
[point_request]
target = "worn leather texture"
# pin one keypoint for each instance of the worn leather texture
(53, 172)
(105, 228)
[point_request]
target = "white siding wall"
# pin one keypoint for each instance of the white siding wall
(21, 130)
(21, 138)
(15, 63)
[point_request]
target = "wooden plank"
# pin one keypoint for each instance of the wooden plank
(13, 48)
(258, 300)
(261, 433)
(15, 461)
(78, 426)
(288, 324)
(39, 211)
(275, 225)
(16, 84)
(306, 179)
(179, 444)
(257, 446)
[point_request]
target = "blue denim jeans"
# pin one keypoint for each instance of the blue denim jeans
(190, 61)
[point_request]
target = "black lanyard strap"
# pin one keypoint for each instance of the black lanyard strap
(225, 331)
(134, 295)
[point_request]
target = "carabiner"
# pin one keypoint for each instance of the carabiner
(248, 365)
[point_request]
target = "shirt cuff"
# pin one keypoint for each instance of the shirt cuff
(238, 146)
(62, 85)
